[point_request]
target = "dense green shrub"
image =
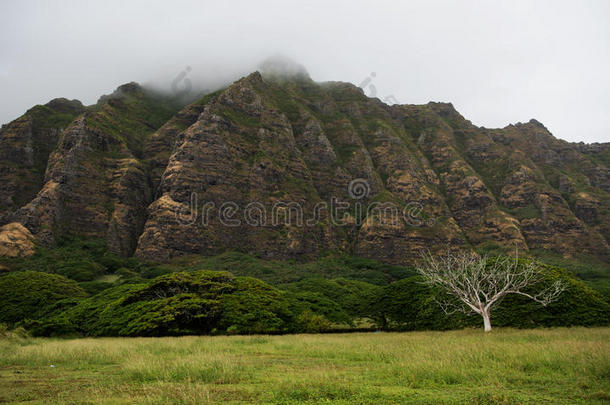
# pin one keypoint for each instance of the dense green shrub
(89, 262)
(141, 299)
(353, 296)
(591, 269)
(411, 305)
(80, 260)
(95, 287)
(181, 314)
(92, 316)
(175, 304)
(28, 294)
(307, 301)
(312, 323)
(84, 260)
(254, 307)
(277, 272)
(577, 305)
(80, 270)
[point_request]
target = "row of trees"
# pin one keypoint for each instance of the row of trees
(198, 302)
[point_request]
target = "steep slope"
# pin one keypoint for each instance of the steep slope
(283, 167)
(276, 140)
(515, 175)
(96, 184)
(240, 150)
(25, 144)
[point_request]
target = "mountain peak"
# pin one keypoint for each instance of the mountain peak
(63, 104)
(283, 66)
(295, 140)
(131, 87)
(123, 90)
(254, 77)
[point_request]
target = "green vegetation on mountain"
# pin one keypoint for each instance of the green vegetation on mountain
(25, 146)
(103, 190)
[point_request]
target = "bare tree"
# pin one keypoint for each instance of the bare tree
(474, 284)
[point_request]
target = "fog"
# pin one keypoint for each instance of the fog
(498, 62)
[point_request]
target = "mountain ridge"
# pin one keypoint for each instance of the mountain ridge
(124, 169)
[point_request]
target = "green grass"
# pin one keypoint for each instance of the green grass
(468, 366)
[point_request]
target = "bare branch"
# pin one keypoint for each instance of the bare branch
(480, 282)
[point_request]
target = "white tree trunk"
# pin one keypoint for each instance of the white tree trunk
(486, 320)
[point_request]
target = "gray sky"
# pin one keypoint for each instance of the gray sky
(498, 62)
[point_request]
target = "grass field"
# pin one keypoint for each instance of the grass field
(468, 366)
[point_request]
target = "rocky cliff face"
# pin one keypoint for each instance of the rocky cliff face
(25, 145)
(283, 167)
(96, 183)
(16, 241)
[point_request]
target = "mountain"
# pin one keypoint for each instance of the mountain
(151, 176)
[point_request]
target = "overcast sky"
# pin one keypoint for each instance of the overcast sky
(498, 62)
